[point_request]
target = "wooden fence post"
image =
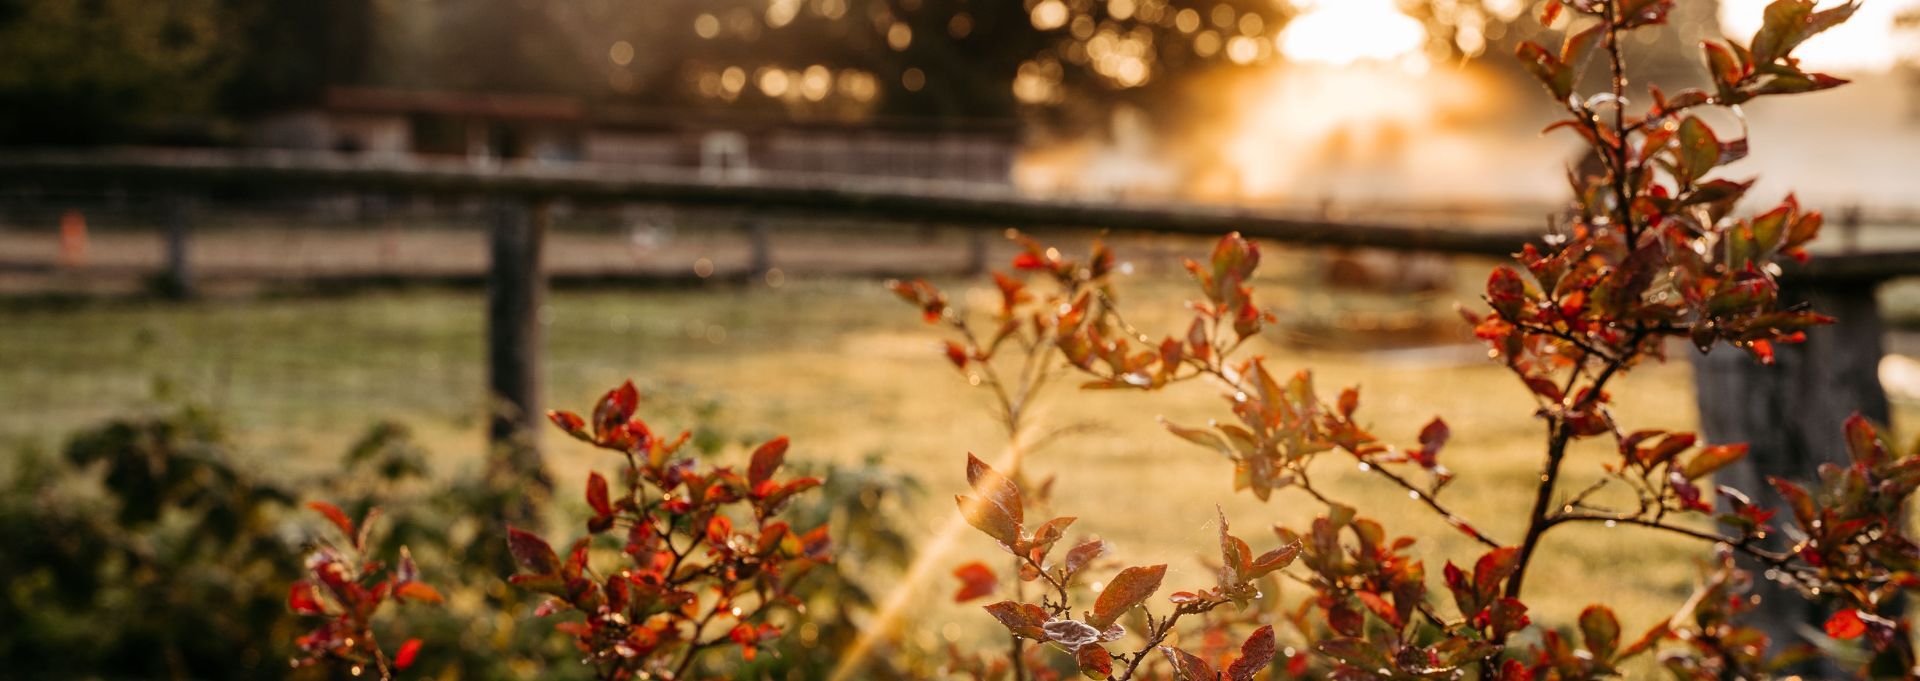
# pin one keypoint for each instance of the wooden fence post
(760, 249)
(1792, 415)
(516, 294)
(177, 280)
(977, 250)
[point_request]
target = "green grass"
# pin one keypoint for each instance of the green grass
(848, 372)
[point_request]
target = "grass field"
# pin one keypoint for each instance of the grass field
(849, 373)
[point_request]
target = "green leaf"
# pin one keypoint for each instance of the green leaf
(1600, 630)
(1546, 68)
(1698, 150)
(1200, 436)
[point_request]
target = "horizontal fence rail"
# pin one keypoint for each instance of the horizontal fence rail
(879, 199)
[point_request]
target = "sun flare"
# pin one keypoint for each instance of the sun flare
(1342, 32)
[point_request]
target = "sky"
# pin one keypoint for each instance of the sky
(1347, 31)
(1863, 43)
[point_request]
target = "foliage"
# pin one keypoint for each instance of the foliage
(80, 71)
(1653, 253)
(144, 552)
(346, 588)
(693, 578)
(150, 550)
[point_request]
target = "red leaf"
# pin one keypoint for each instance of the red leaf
(1255, 654)
(976, 580)
(1494, 568)
(957, 355)
(597, 495)
(996, 488)
(719, 528)
(1129, 588)
(989, 518)
(534, 553)
(568, 421)
(1380, 607)
(1846, 625)
(1094, 661)
(1022, 619)
(766, 460)
(615, 409)
(334, 514)
(1187, 666)
(404, 658)
(1080, 556)
(419, 591)
(300, 599)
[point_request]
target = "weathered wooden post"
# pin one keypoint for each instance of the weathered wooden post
(760, 249)
(177, 280)
(1792, 415)
(516, 293)
(977, 252)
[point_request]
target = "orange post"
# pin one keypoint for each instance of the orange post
(73, 239)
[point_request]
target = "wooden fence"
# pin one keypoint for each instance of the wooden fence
(1791, 412)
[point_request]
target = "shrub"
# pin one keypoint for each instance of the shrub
(706, 564)
(1653, 254)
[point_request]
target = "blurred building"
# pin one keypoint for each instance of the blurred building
(489, 127)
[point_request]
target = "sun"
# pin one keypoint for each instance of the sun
(1343, 32)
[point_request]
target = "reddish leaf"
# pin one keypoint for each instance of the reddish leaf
(1187, 666)
(1094, 661)
(766, 460)
(989, 518)
(300, 599)
(1846, 625)
(597, 495)
(1380, 607)
(1080, 556)
(569, 422)
(418, 591)
(333, 513)
(615, 409)
(404, 658)
(976, 581)
(719, 529)
(1022, 619)
(1494, 568)
(995, 488)
(533, 553)
(1255, 654)
(1712, 459)
(1131, 587)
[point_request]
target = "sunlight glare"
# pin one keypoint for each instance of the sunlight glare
(1864, 43)
(1341, 32)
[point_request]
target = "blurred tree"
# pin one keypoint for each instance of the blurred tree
(87, 71)
(292, 51)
